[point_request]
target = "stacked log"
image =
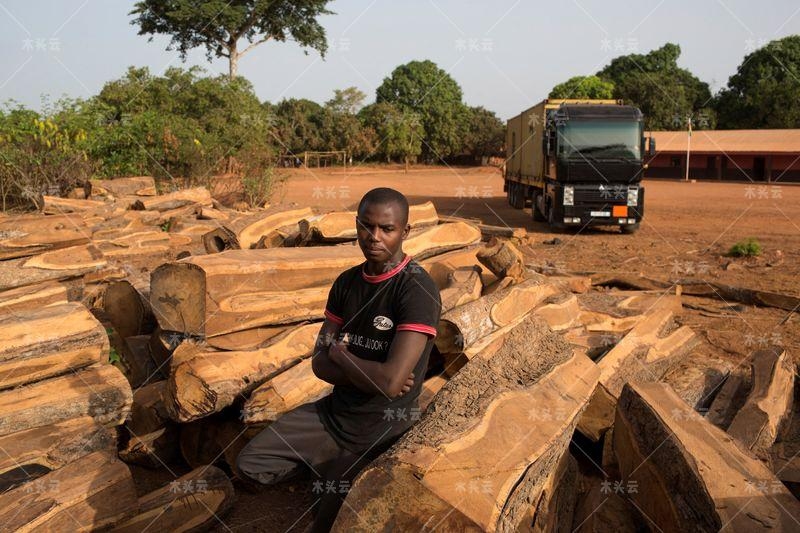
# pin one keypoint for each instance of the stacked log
(340, 226)
(528, 369)
(479, 432)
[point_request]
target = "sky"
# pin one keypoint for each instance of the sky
(506, 55)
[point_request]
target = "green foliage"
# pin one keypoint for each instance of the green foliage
(176, 125)
(42, 153)
(666, 93)
(346, 101)
(486, 133)
(399, 133)
(423, 88)
(340, 127)
(584, 87)
(258, 185)
(746, 248)
(299, 125)
(765, 91)
(219, 25)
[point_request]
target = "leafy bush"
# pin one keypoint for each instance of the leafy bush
(41, 154)
(746, 248)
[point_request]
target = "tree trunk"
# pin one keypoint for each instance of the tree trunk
(193, 502)
(151, 437)
(688, 474)
(32, 297)
(485, 449)
(642, 355)
(207, 295)
(94, 492)
(46, 342)
(289, 389)
(100, 391)
(233, 62)
(208, 382)
(462, 326)
(340, 226)
(769, 404)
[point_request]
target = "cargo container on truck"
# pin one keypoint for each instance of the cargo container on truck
(578, 162)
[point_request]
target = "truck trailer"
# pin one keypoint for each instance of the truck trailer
(578, 162)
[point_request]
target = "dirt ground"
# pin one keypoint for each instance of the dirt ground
(687, 230)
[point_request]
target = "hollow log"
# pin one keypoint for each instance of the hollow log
(31, 453)
(245, 231)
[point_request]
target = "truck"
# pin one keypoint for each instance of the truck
(578, 163)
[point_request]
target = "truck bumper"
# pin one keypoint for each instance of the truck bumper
(600, 205)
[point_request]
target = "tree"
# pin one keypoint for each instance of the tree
(299, 125)
(583, 87)
(666, 93)
(422, 88)
(765, 91)
(399, 133)
(220, 25)
(486, 133)
(348, 100)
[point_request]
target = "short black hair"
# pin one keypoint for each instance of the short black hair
(385, 195)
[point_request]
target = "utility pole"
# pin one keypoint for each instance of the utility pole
(688, 146)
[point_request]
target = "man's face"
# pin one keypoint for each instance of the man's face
(381, 231)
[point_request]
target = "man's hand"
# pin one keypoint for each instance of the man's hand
(407, 385)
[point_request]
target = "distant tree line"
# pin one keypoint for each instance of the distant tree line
(763, 93)
(186, 125)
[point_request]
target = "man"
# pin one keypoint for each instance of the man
(380, 322)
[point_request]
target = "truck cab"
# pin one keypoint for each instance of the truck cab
(588, 171)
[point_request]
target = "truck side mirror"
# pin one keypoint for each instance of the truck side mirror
(651, 151)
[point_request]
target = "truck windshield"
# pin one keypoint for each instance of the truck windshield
(599, 139)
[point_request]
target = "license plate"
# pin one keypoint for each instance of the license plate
(600, 213)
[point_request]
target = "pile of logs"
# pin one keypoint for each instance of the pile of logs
(154, 330)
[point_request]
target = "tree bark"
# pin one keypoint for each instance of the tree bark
(94, 492)
(689, 475)
(193, 502)
(47, 342)
(486, 448)
(209, 382)
(100, 391)
(644, 355)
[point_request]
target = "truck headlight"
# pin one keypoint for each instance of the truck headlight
(633, 196)
(569, 196)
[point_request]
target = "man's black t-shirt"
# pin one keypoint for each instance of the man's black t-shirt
(370, 310)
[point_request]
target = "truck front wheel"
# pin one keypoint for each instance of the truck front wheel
(630, 229)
